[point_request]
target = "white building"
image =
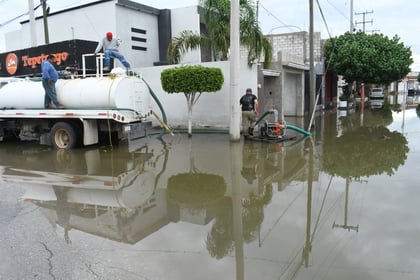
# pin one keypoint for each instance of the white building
(146, 33)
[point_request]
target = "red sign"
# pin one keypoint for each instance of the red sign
(11, 63)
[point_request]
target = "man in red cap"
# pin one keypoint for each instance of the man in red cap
(110, 47)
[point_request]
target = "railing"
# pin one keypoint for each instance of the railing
(99, 64)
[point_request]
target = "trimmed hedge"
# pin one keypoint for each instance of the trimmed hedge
(191, 79)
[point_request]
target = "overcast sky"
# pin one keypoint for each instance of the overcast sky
(390, 17)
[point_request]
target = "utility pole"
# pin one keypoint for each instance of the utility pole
(346, 209)
(32, 22)
(44, 12)
(364, 19)
(257, 10)
(234, 130)
(311, 62)
(351, 17)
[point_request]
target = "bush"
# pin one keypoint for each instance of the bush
(190, 79)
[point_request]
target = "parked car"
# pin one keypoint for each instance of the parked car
(376, 93)
(376, 103)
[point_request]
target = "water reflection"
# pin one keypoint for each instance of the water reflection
(259, 204)
(365, 151)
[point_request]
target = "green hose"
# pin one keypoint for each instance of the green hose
(292, 127)
(159, 105)
(304, 132)
(262, 117)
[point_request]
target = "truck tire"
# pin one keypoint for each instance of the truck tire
(64, 136)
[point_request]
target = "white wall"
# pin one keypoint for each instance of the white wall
(186, 19)
(128, 18)
(92, 23)
(212, 109)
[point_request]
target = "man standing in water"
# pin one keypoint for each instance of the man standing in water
(250, 111)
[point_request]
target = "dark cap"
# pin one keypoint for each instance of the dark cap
(248, 90)
(50, 56)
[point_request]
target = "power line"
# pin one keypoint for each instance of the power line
(338, 10)
(17, 17)
(276, 18)
(323, 18)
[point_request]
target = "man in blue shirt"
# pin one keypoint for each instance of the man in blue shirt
(49, 78)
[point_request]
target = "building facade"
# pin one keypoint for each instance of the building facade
(146, 32)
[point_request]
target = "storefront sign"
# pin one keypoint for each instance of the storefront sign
(37, 60)
(27, 62)
(11, 63)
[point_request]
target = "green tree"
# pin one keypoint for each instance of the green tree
(216, 14)
(368, 58)
(192, 81)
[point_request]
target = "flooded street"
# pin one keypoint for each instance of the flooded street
(342, 204)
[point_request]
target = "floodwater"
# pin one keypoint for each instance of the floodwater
(342, 204)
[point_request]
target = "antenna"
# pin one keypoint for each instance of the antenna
(364, 19)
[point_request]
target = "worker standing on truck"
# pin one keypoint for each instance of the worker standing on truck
(49, 78)
(250, 107)
(110, 47)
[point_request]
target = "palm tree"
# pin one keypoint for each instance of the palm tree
(216, 14)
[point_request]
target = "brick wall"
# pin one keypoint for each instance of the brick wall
(295, 44)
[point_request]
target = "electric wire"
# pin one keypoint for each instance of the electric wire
(281, 216)
(332, 255)
(320, 210)
(275, 17)
(17, 17)
(326, 68)
(323, 18)
(338, 10)
(330, 37)
(74, 3)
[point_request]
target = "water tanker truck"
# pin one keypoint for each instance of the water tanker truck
(96, 110)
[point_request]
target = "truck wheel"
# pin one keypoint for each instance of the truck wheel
(64, 136)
